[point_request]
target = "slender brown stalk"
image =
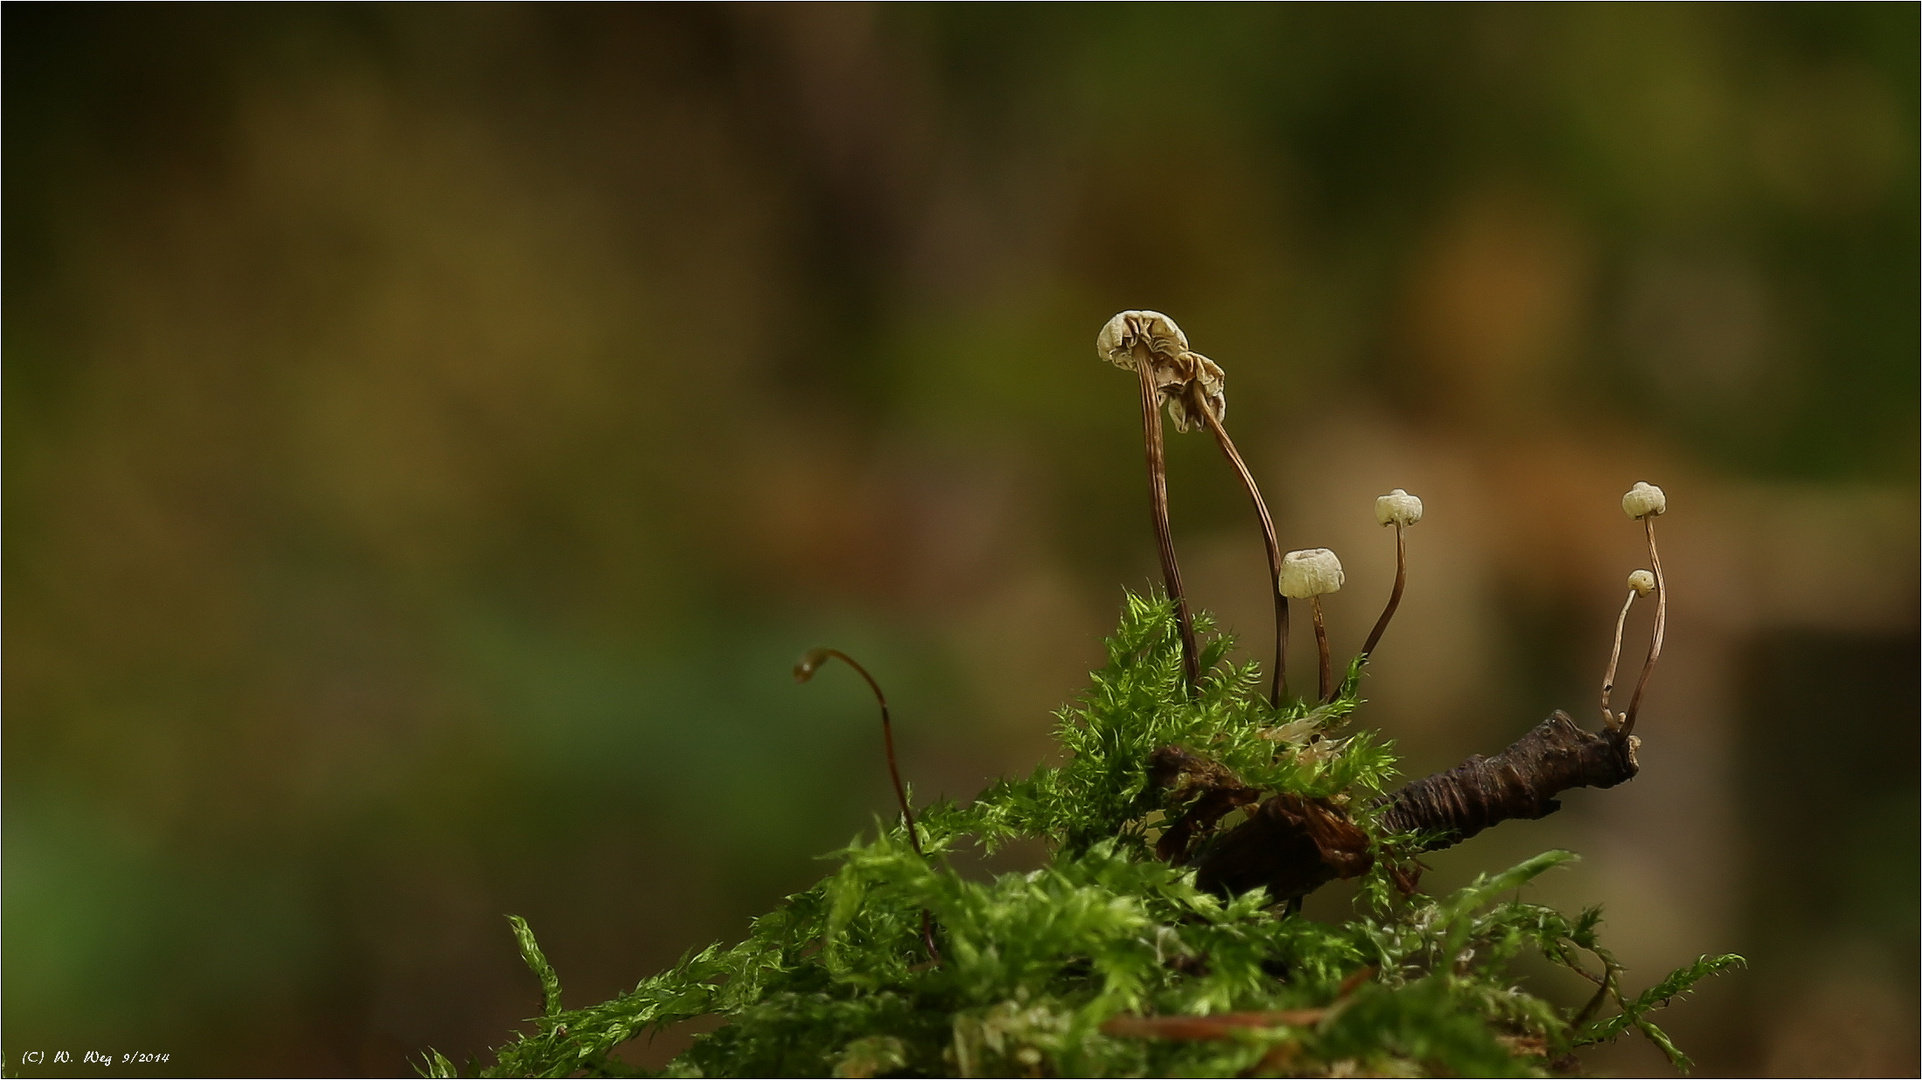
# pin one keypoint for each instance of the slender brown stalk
(1655, 638)
(1606, 986)
(1394, 598)
(804, 670)
(1321, 646)
(1164, 536)
(1614, 655)
(1227, 444)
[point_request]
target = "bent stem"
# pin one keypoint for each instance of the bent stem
(804, 670)
(1655, 638)
(1321, 646)
(1280, 669)
(1606, 987)
(1394, 598)
(1164, 536)
(1609, 719)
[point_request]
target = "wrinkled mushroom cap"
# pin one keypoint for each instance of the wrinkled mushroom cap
(1644, 500)
(1642, 581)
(1207, 376)
(1134, 337)
(1310, 572)
(1397, 508)
(1156, 331)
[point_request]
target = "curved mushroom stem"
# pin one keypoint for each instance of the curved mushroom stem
(810, 662)
(1280, 670)
(1394, 598)
(1164, 536)
(1655, 638)
(804, 670)
(1609, 719)
(1321, 646)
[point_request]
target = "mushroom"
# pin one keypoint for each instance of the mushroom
(1400, 509)
(1307, 575)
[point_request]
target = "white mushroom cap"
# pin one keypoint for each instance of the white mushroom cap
(1398, 508)
(1310, 573)
(1644, 500)
(1642, 581)
(1158, 332)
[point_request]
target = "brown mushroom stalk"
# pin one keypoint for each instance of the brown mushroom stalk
(1655, 636)
(1394, 597)
(804, 670)
(1614, 656)
(1158, 504)
(1279, 672)
(1154, 348)
(1321, 648)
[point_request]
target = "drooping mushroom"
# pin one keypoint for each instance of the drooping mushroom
(1155, 348)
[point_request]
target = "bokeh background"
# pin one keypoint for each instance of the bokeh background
(431, 433)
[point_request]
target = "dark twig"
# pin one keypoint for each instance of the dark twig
(804, 670)
(1520, 782)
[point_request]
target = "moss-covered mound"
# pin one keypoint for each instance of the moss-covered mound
(1110, 961)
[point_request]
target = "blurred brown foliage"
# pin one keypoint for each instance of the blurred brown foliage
(431, 433)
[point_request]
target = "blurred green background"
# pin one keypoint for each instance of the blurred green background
(431, 432)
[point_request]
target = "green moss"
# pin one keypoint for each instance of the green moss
(837, 981)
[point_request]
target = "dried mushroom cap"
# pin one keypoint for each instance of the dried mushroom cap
(1132, 337)
(1642, 581)
(1207, 375)
(1644, 500)
(1158, 332)
(1308, 573)
(1397, 508)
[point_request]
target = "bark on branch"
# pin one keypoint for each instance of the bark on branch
(1294, 845)
(1520, 782)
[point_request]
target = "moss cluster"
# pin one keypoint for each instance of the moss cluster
(1038, 972)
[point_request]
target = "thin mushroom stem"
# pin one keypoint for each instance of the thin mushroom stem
(1394, 597)
(1611, 976)
(1321, 646)
(1280, 669)
(1164, 536)
(1614, 654)
(804, 670)
(1655, 638)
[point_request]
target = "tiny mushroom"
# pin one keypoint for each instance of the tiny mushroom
(1644, 500)
(1154, 348)
(1397, 508)
(1400, 509)
(1310, 573)
(1642, 581)
(1307, 575)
